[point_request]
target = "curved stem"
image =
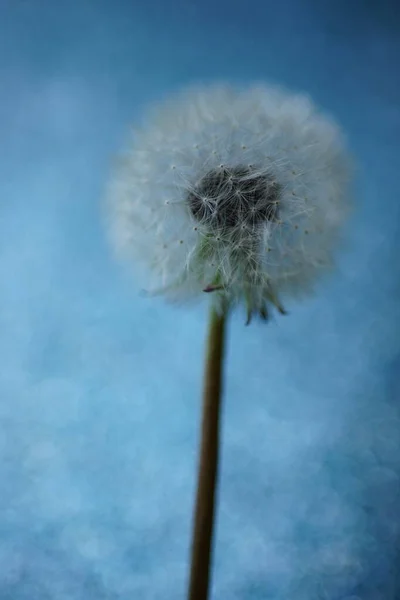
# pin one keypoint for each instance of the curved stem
(208, 466)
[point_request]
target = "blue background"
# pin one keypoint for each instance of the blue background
(100, 387)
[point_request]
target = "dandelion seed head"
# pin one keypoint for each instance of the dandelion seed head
(244, 190)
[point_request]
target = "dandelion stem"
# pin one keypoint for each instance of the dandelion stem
(208, 465)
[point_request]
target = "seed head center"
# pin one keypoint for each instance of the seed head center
(226, 198)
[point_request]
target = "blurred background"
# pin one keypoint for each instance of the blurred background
(100, 387)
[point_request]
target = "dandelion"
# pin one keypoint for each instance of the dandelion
(241, 191)
(240, 194)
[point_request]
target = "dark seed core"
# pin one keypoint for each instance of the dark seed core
(227, 197)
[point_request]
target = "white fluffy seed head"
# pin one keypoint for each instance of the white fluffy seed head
(239, 191)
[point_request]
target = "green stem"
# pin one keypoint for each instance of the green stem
(208, 467)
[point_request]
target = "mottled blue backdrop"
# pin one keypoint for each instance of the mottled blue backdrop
(100, 387)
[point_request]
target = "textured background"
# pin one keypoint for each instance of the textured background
(99, 387)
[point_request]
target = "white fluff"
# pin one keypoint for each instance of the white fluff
(277, 135)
